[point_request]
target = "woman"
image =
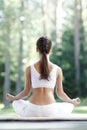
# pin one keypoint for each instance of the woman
(41, 78)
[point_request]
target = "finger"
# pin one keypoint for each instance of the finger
(78, 99)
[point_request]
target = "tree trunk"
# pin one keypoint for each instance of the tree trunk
(19, 76)
(57, 22)
(76, 41)
(7, 68)
(44, 5)
(82, 43)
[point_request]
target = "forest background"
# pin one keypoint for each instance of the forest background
(22, 22)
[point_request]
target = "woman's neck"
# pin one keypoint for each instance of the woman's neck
(48, 59)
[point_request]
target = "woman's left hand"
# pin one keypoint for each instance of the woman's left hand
(76, 101)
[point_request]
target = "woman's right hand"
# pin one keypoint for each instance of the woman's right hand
(9, 97)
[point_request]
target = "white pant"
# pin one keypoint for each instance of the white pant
(27, 109)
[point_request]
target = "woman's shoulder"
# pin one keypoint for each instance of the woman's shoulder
(59, 69)
(29, 67)
(57, 66)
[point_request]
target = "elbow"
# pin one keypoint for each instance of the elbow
(60, 93)
(26, 92)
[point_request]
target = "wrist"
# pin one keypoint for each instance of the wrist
(13, 97)
(70, 101)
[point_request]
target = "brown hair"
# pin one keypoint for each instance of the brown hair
(44, 45)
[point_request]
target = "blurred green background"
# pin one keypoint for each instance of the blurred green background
(22, 22)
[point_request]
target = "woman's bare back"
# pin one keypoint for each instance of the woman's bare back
(42, 96)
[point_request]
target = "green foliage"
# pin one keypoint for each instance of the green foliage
(67, 63)
(11, 17)
(83, 68)
(64, 57)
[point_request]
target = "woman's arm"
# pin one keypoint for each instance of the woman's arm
(26, 90)
(60, 92)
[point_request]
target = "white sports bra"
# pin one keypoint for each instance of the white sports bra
(38, 83)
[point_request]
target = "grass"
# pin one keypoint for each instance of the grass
(82, 109)
(8, 111)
